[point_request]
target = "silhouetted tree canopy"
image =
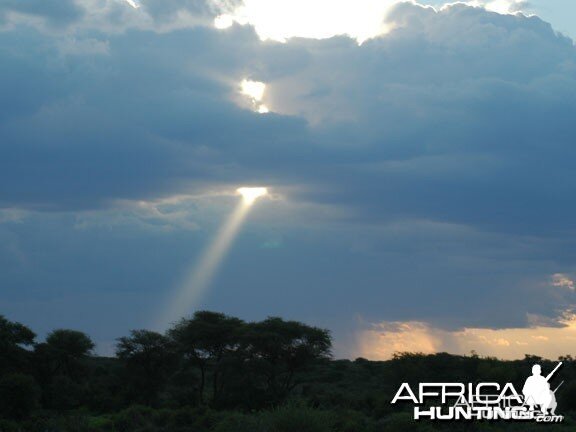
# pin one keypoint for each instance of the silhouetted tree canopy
(14, 337)
(281, 348)
(207, 341)
(70, 343)
(148, 357)
(211, 372)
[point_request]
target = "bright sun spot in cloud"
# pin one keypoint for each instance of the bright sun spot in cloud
(133, 3)
(280, 20)
(251, 194)
(224, 21)
(505, 6)
(254, 90)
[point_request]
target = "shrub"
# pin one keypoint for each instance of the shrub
(293, 417)
(18, 396)
(132, 419)
(237, 422)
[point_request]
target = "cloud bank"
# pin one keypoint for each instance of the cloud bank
(427, 170)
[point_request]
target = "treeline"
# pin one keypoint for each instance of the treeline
(209, 359)
(216, 373)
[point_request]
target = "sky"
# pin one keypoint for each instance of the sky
(418, 159)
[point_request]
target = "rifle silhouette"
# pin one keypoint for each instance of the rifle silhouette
(552, 373)
(558, 387)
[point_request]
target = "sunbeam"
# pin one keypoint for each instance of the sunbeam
(198, 280)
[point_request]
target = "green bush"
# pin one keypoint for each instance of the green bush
(352, 421)
(19, 396)
(132, 419)
(144, 419)
(65, 393)
(70, 423)
(101, 423)
(8, 426)
(237, 422)
(297, 418)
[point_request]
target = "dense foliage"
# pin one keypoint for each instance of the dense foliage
(213, 372)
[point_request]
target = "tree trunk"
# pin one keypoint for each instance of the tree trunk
(202, 382)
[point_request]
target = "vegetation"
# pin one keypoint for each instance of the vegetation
(213, 372)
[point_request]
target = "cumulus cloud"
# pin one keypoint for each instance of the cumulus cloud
(453, 94)
(170, 9)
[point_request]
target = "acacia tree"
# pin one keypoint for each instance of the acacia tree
(208, 341)
(13, 338)
(280, 349)
(60, 367)
(148, 357)
(18, 392)
(67, 348)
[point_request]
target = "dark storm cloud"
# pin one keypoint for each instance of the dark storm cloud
(56, 12)
(456, 124)
(460, 115)
(133, 123)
